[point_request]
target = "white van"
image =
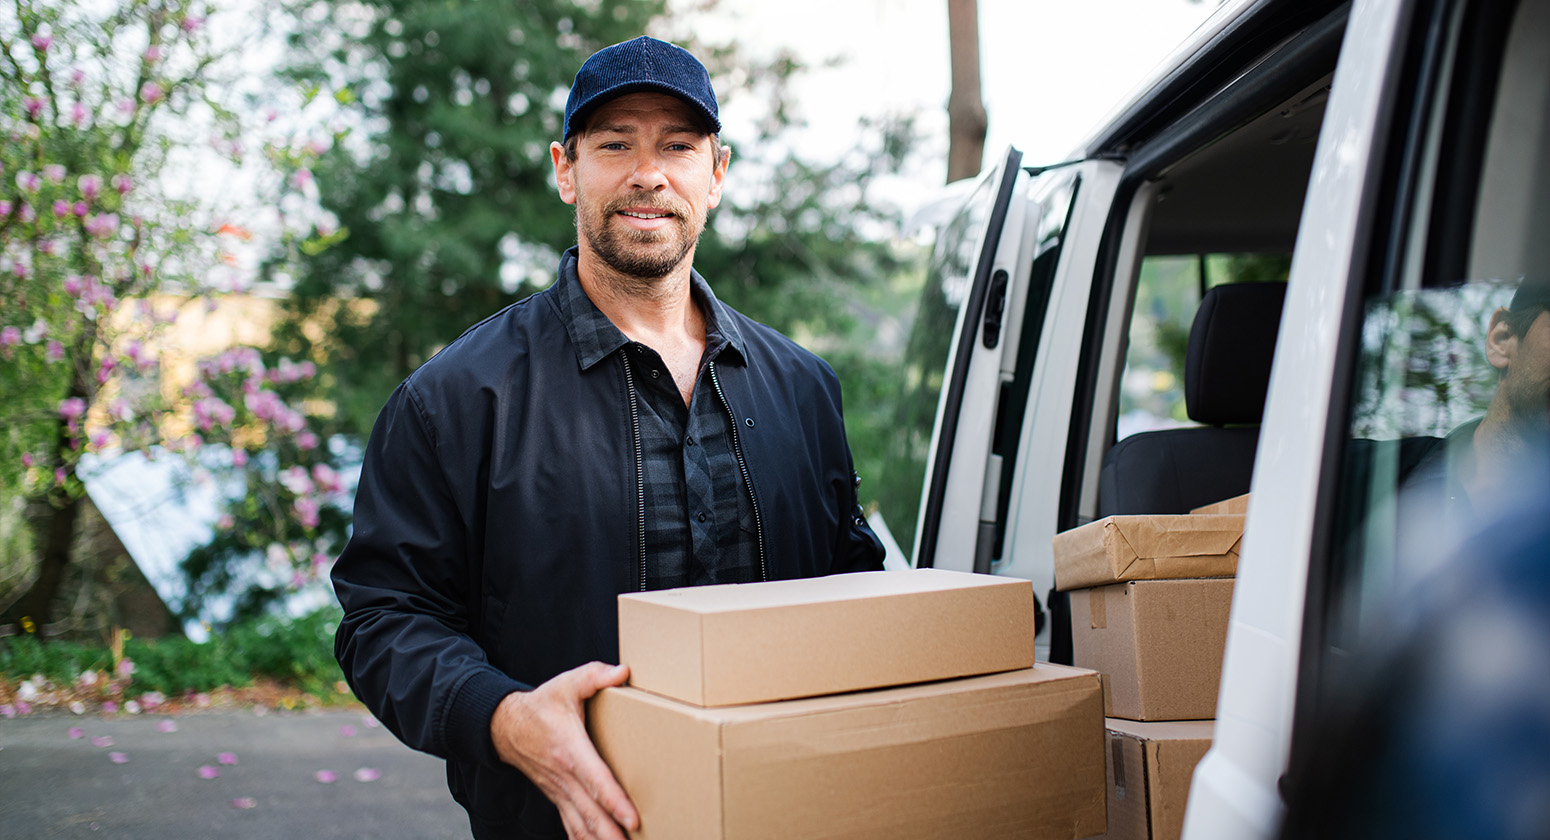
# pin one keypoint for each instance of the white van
(1389, 161)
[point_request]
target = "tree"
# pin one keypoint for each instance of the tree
(96, 258)
(967, 121)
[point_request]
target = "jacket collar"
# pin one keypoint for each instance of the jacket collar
(595, 337)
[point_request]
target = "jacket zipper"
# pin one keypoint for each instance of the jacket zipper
(640, 474)
(742, 465)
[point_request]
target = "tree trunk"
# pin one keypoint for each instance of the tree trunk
(966, 118)
(58, 534)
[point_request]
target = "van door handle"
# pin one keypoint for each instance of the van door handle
(995, 305)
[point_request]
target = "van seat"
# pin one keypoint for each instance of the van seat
(1226, 377)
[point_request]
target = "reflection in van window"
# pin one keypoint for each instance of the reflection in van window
(948, 282)
(1168, 293)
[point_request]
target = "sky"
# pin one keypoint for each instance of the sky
(1051, 70)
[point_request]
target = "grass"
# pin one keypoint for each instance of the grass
(289, 657)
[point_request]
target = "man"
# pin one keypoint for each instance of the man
(621, 430)
(1476, 471)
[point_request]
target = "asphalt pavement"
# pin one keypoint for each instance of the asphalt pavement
(227, 774)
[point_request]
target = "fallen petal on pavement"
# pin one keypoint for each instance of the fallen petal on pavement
(327, 777)
(100, 741)
(208, 772)
(368, 774)
(118, 758)
(226, 758)
(166, 726)
(76, 732)
(244, 802)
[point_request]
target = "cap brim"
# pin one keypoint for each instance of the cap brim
(583, 111)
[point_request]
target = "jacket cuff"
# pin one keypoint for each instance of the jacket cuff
(466, 728)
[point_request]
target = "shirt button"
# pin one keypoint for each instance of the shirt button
(702, 516)
(655, 374)
(689, 441)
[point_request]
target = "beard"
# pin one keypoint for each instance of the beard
(639, 254)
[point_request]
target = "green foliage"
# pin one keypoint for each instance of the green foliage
(295, 652)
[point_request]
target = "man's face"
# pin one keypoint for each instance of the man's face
(1525, 364)
(644, 181)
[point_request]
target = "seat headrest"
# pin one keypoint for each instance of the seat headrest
(1231, 343)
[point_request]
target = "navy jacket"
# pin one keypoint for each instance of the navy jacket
(497, 518)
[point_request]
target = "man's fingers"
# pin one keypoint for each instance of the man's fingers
(584, 817)
(601, 786)
(593, 677)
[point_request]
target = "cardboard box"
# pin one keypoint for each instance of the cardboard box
(1116, 549)
(755, 642)
(1150, 766)
(1014, 754)
(1237, 504)
(1158, 644)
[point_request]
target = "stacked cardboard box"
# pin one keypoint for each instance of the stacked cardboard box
(1150, 602)
(882, 704)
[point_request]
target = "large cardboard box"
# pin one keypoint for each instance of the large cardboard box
(1158, 644)
(754, 642)
(1116, 549)
(1014, 754)
(1150, 766)
(1237, 504)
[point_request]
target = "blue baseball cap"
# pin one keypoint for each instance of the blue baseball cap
(1533, 290)
(644, 64)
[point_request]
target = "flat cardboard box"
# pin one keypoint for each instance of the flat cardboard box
(1158, 644)
(1237, 504)
(1150, 766)
(1116, 549)
(756, 642)
(1014, 754)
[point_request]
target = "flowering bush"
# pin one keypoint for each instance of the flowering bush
(101, 251)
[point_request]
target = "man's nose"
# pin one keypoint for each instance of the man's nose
(648, 174)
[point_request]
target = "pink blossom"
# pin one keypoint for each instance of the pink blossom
(153, 53)
(75, 733)
(123, 183)
(121, 411)
(28, 181)
(368, 774)
(118, 758)
(34, 107)
(7, 711)
(61, 208)
(192, 23)
(100, 439)
(54, 351)
(151, 93)
(327, 777)
(125, 107)
(152, 699)
(5, 208)
(306, 511)
(239, 457)
(226, 522)
(207, 772)
(55, 173)
(71, 410)
(105, 224)
(109, 707)
(81, 208)
(59, 475)
(301, 178)
(296, 480)
(27, 460)
(74, 284)
(78, 114)
(23, 707)
(90, 186)
(10, 337)
(226, 758)
(77, 77)
(306, 441)
(327, 479)
(126, 667)
(319, 560)
(41, 42)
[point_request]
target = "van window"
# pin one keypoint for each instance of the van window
(1450, 399)
(924, 369)
(1167, 294)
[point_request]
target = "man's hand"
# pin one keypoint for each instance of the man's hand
(543, 733)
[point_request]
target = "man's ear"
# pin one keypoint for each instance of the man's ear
(718, 176)
(564, 173)
(1500, 343)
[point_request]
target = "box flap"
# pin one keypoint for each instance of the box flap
(1237, 504)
